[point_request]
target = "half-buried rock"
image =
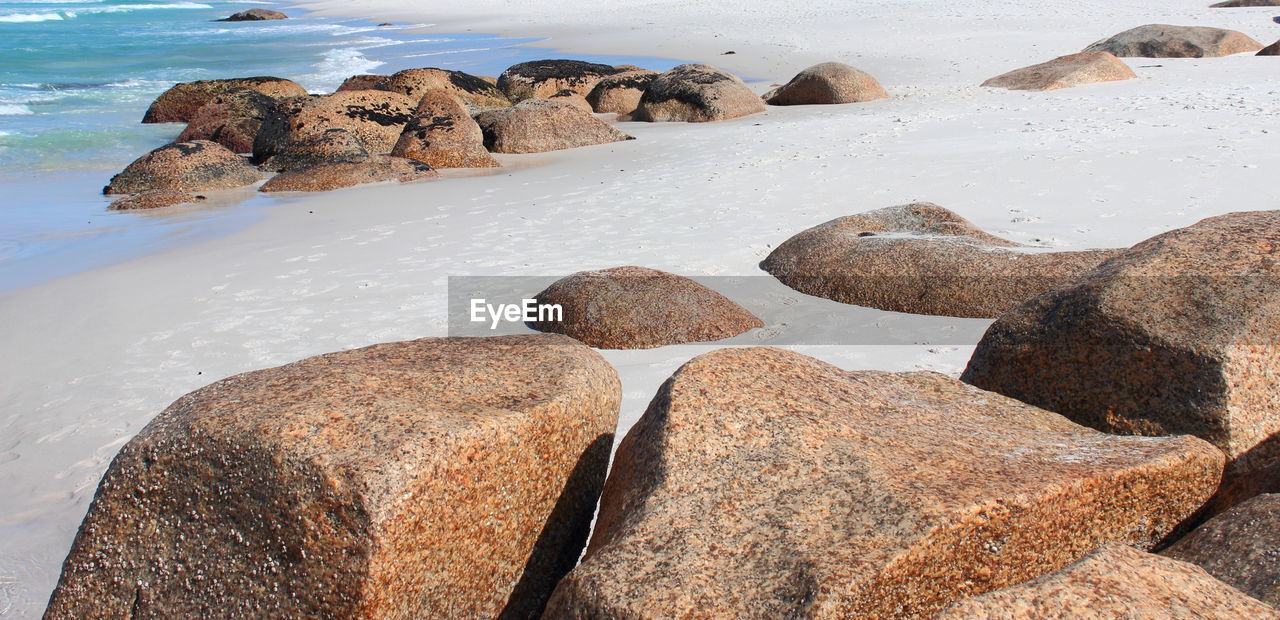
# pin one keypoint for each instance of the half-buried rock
(331, 147)
(620, 93)
(762, 483)
(477, 94)
(154, 199)
(923, 259)
(540, 125)
(828, 83)
(336, 175)
(543, 78)
(437, 478)
(640, 308)
(1232, 4)
(1115, 582)
(443, 135)
(1065, 72)
(1240, 546)
(1174, 336)
(179, 103)
(696, 94)
(231, 119)
(1165, 41)
(187, 166)
(376, 118)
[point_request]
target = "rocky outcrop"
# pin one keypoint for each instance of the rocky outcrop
(543, 78)
(424, 479)
(1165, 41)
(366, 81)
(828, 83)
(1065, 72)
(180, 103)
(1270, 50)
(1240, 546)
(154, 199)
(620, 93)
(255, 15)
(336, 175)
(540, 125)
(1174, 336)
(186, 166)
(1115, 582)
(443, 135)
(640, 308)
(376, 118)
(477, 94)
(923, 259)
(763, 483)
(332, 146)
(231, 119)
(696, 93)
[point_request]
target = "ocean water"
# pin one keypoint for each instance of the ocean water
(76, 77)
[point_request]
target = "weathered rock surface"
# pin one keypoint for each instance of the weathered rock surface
(231, 119)
(1231, 4)
(763, 483)
(1165, 41)
(477, 94)
(1240, 546)
(154, 199)
(180, 103)
(336, 175)
(543, 78)
(255, 15)
(923, 259)
(1270, 50)
(376, 118)
(696, 93)
(574, 99)
(1115, 582)
(1174, 336)
(640, 308)
(1065, 72)
(365, 81)
(828, 83)
(332, 146)
(426, 479)
(187, 166)
(443, 135)
(540, 125)
(620, 93)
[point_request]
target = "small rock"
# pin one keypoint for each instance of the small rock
(696, 93)
(331, 176)
(443, 135)
(332, 146)
(366, 81)
(255, 15)
(154, 199)
(620, 93)
(1165, 41)
(180, 103)
(1240, 546)
(828, 83)
(1270, 50)
(1065, 72)
(544, 78)
(185, 166)
(540, 125)
(1231, 4)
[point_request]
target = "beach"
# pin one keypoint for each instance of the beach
(92, 357)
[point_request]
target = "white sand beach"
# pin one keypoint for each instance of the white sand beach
(91, 358)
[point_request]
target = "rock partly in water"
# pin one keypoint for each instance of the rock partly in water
(695, 94)
(154, 199)
(255, 15)
(443, 135)
(540, 125)
(376, 118)
(620, 93)
(427, 479)
(336, 175)
(1165, 41)
(544, 78)
(640, 308)
(923, 259)
(764, 483)
(1270, 50)
(1174, 336)
(231, 119)
(1065, 72)
(477, 94)
(186, 166)
(180, 103)
(1240, 546)
(1115, 582)
(332, 146)
(828, 83)
(365, 81)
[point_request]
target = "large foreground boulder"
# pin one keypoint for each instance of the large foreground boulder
(763, 483)
(255, 15)
(540, 125)
(154, 199)
(231, 119)
(1165, 41)
(187, 166)
(1240, 546)
(1065, 72)
(923, 259)
(828, 83)
(336, 175)
(426, 479)
(620, 93)
(1175, 336)
(179, 103)
(331, 147)
(640, 308)
(376, 118)
(695, 94)
(443, 135)
(477, 94)
(1115, 582)
(542, 78)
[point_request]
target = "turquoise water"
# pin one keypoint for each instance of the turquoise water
(76, 77)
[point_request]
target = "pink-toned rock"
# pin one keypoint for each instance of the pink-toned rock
(443, 135)
(763, 483)
(336, 175)
(331, 147)
(366, 81)
(574, 99)
(540, 125)
(540, 79)
(828, 83)
(435, 478)
(696, 94)
(375, 117)
(186, 166)
(154, 199)
(180, 103)
(477, 94)
(1240, 546)
(1065, 72)
(1165, 41)
(620, 93)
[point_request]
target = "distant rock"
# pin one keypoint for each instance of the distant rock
(255, 15)
(1174, 336)
(763, 483)
(186, 166)
(366, 81)
(620, 93)
(443, 135)
(1232, 4)
(696, 93)
(154, 199)
(1115, 582)
(231, 119)
(376, 118)
(477, 94)
(923, 259)
(828, 83)
(641, 308)
(332, 146)
(540, 125)
(180, 103)
(544, 78)
(337, 175)
(1165, 41)
(435, 478)
(1065, 72)
(1240, 546)
(1270, 50)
